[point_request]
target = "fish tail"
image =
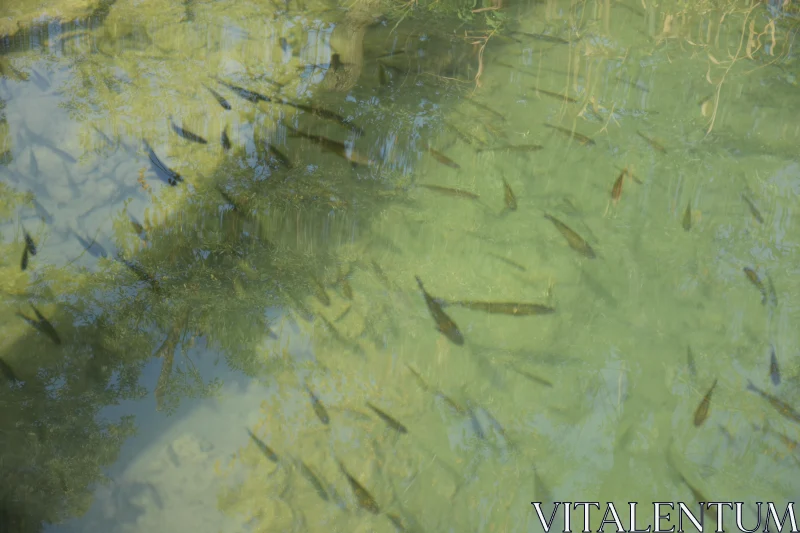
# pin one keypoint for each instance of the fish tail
(419, 282)
(752, 387)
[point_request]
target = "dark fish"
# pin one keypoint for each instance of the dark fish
(324, 114)
(7, 372)
(651, 142)
(690, 361)
(266, 450)
(531, 377)
(313, 479)
(510, 199)
(141, 273)
(383, 78)
(245, 94)
(320, 292)
(24, 261)
(782, 407)
(513, 148)
(34, 165)
(755, 280)
(29, 244)
(773, 296)
(486, 108)
(575, 241)
(42, 325)
(186, 134)
(220, 99)
(753, 210)
(443, 159)
(391, 422)
(224, 140)
(137, 227)
(556, 95)
(363, 497)
(335, 147)
(319, 409)
(46, 217)
(774, 371)
(279, 156)
(506, 308)
(616, 190)
(541, 37)
(162, 171)
(92, 247)
(509, 262)
(167, 353)
(444, 323)
(701, 413)
(687, 217)
(583, 139)
(456, 193)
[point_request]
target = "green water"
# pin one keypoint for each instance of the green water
(594, 402)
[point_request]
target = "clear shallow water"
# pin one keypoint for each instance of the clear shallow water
(155, 382)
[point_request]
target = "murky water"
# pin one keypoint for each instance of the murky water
(234, 209)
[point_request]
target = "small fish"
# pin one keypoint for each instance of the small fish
(319, 409)
(42, 325)
(456, 193)
(29, 243)
(774, 371)
(616, 190)
(363, 497)
(23, 264)
(542, 37)
(225, 140)
(137, 227)
(313, 479)
(583, 139)
(753, 210)
(444, 324)
(687, 217)
(701, 413)
(7, 372)
(755, 280)
(773, 296)
(513, 148)
(280, 156)
(220, 99)
(245, 94)
(186, 134)
(92, 247)
(43, 213)
(782, 407)
(162, 171)
(320, 292)
(510, 199)
(531, 377)
(34, 165)
(575, 241)
(266, 450)
(325, 114)
(651, 142)
(486, 108)
(443, 159)
(383, 78)
(390, 421)
(335, 147)
(507, 308)
(690, 361)
(141, 273)
(509, 262)
(556, 95)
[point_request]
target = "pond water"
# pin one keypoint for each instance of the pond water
(409, 266)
